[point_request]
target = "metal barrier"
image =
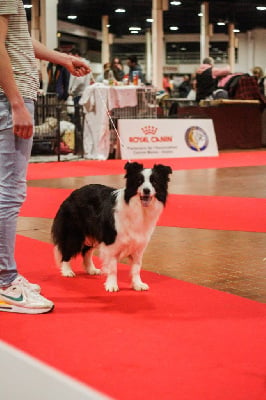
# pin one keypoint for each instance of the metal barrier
(54, 126)
(146, 108)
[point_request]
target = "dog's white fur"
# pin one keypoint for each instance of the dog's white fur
(134, 223)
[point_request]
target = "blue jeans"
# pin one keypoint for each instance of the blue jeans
(14, 156)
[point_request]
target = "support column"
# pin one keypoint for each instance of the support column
(148, 56)
(48, 30)
(49, 23)
(105, 40)
(204, 31)
(231, 47)
(157, 42)
(35, 20)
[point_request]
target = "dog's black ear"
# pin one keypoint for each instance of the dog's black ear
(163, 169)
(133, 166)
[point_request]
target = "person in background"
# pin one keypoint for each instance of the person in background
(77, 85)
(259, 75)
(58, 80)
(207, 76)
(193, 91)
(132, 62)
(184, 87)
(105, 74)
(51, 73)
(19, 84)
(167, 87)
(117, 68)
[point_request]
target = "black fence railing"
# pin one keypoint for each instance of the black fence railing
(58, 127)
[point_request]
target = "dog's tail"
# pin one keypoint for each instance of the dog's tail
(57, 256)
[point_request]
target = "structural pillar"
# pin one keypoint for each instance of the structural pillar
(148, 56)
(105, 40)
(157, 42)
(204, 31)
(231, 47)
(35, 20)
(48, 17)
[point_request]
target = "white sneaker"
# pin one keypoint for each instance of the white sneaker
(20, 280)
(19, 298)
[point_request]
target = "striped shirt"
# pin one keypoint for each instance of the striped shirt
(20, 49)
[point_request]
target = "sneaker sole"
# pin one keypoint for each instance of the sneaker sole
(23, 310)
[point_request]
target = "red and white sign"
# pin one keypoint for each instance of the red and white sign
(167, 138)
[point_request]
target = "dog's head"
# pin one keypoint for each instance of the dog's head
(147, 183)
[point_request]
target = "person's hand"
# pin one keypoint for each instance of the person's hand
(22, 122)
(77, 67)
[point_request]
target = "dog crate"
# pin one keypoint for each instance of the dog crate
(146, 108)
(56, 129)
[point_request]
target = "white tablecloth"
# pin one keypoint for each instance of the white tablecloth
(97, 100)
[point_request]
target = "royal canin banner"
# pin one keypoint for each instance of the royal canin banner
(167, 138)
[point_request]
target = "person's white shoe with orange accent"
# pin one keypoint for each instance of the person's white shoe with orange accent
(21, 298)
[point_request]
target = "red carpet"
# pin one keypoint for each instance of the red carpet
(177, 341)
(113, 167)
(186, 211)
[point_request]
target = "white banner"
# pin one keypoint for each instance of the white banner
(167, 138)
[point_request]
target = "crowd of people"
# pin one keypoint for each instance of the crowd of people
(211, 82)
(115, 71)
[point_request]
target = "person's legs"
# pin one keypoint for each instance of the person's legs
(16, 293)
(14, 157)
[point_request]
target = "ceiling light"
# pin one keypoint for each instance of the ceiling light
(134, 31)
(221, 23)
(236, 30)
(27, 5)
(72, 17)
(261, 8)
(120, 10)
(175, 3)
(200, 14)
(149, 20)
(173, 28)
(134, 28)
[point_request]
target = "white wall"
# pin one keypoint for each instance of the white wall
(25, 378)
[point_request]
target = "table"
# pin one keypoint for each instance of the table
(237, 123)
(100, 102)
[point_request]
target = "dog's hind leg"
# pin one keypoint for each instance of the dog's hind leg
(88, 263)
(137, 283)
(65, 266)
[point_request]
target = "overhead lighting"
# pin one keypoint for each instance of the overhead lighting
(261, 8)
(134, 28)
(221, 23)
(236, 30)
(27, 6)
(120, 10)
(149, 19)
(134, 31)
(173, 28)
(72, 17)
(175, 3)
(200, 14)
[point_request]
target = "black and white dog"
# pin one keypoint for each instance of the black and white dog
(119, 222)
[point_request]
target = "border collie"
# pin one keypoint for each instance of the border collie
(119, 222)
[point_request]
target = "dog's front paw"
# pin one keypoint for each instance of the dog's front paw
(140, 286)
(66, 270)
(68, 274)
(111, 285)
(93, 271)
